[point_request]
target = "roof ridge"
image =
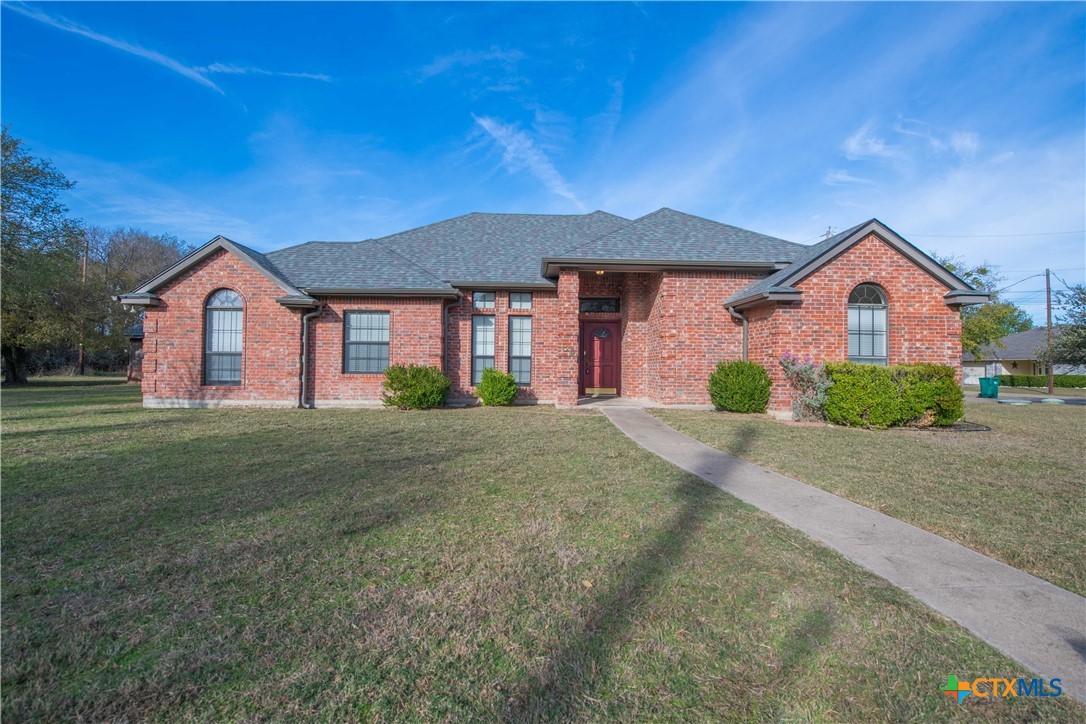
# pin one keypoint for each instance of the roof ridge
(628, 224)
(423, 226)
(412, 262)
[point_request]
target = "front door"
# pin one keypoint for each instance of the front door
(600, 358)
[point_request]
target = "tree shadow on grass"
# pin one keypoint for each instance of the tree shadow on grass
(585, 662)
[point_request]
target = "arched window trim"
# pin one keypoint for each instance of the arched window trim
(868, 324)
(224, 337)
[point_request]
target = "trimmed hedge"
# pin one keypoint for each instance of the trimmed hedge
(739, 387)
(1042, 380)
(497, 388)
(415, 387)
(873, 396)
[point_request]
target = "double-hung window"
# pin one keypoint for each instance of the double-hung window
(482, 346)
(520, 301)
(365, 342)
(520, 349)
(867, 313)
(482, 300)
(223, 325)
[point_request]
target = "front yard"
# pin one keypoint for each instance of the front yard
(507, 563)
(1016, 493)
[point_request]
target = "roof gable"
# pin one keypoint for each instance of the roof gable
(250, 256)
(818, 255)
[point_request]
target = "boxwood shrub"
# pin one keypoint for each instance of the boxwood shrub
(497, 388)
(1042, 380)
(739, 386)
(415, 387)
(874, 396)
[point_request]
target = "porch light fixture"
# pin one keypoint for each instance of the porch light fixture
(599, 272)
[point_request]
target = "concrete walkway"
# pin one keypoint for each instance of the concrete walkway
(1040, 625)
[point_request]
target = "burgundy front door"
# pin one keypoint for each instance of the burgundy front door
(600, 358)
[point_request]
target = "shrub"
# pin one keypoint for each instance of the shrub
(879, 397)
(415, 387)
(809, 386)
(739, 387)
(1042, 380)
(497, 388)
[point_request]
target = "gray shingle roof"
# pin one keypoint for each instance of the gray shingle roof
(674, 236)
(262, 261)
(497, 247)
(1021, 345)
(806, 255)
(351, 265)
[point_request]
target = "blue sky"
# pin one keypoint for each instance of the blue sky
(962, 126)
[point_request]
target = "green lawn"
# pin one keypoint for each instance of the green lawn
(459, 564)
(1015, 493)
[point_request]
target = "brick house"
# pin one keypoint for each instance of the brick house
(572, 305)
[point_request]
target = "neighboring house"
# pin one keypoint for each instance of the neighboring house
(135, 352)
(1016, 354)
(572, 305)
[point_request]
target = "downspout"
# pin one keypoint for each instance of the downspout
(305, 357)
(741, 318)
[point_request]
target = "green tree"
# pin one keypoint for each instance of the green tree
(39, 258)
(1069, 346)
(988, 323)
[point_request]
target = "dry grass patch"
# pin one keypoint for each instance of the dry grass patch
(472, 564)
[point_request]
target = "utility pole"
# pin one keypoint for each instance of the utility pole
(1048, 304)
(83, 306)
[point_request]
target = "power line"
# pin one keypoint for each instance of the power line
(999, 291)
(987, 236)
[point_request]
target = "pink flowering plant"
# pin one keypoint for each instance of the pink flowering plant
(809, 383)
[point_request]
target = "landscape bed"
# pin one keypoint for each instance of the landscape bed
(517, 563)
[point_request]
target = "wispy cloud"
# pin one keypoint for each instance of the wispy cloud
(470, 58)
(521, 152)
(61, 23)
(864, 143)
(964, 143)
(197, 74)
(231, 69)
(840, 177)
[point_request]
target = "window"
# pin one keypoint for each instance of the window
(482, 346)
(867, 325)
(365, 342)
(520, 349)
(223, 318)
(520, 300)
(482, 300)
(599, 305)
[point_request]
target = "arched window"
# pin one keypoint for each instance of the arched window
(867, 325)
(222, 338)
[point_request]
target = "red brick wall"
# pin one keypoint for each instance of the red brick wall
(174, 337)
(674, 330)
(414, 338)
(691, 332)
(922, 328)
(554, 343)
